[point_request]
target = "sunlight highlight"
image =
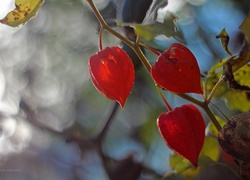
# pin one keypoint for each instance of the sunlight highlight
(6, 6)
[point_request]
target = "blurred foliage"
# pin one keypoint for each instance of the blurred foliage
(245, 26)
(168, 28)
(44, 64)
(209, 155)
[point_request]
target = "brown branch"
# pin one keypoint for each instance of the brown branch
(103, 128)
(31, 118)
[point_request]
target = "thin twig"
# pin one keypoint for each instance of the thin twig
(100, 135)
(103, 128)
(163, 98)
(106, 26)
(103, 158)
(31, 118)
(220, 111)
(214, 89)
(125, 40)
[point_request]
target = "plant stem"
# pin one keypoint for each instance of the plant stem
(100, 38)
(211, 116)
(157, 53)
(165, 101)
(100, 135)
(205, 107)
(103, 129)
(214, 89)
(105, 25)
(191, 99)
(140, 54)
(103, 159)
(135, 46)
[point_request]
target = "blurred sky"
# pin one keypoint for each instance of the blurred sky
(45, 64)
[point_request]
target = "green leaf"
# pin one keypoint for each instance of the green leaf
(235, 70)
(233, 64)
(183, 167)
(224, 39)
(209, 155)
(213, 77)
(245, 26)
(167, 28)
(210, 151)
(179, 164)
(24, 11)
(236, 99)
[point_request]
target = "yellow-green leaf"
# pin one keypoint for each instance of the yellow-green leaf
(238, 100)
(213, 77)
(183, 167)
(210, 153)
(245, 26)
(235, 99)
(24, 11)
(191, 173)
(224, 39)
(178, 163)
(210, 150)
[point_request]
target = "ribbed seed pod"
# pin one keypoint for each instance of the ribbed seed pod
(234, 137)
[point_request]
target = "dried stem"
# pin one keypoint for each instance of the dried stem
(32, 119)
(103, 129)
(101, 134)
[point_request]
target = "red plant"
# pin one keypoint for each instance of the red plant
(183, 129)
(112, 73)
(177, 70)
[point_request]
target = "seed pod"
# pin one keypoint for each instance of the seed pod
(234, 137)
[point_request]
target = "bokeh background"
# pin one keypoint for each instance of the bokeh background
(46, 95)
